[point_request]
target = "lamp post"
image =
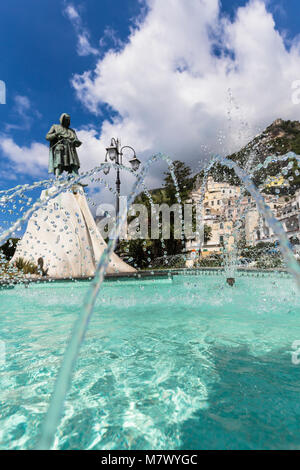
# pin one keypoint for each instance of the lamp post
(115, 154)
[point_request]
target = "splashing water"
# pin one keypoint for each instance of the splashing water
(81, 325)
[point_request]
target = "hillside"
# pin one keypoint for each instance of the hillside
(279, 138)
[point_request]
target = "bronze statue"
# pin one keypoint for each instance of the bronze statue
(63, 142)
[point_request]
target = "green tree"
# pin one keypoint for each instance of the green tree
(185, 182)
(9, 248)
(139, 252)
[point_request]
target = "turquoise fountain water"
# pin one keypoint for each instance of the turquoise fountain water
(169, 289)
(180, 362)
(81, 326)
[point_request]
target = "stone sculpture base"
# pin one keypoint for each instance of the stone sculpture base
(64, 234)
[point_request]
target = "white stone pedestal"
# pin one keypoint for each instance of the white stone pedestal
(65, 235)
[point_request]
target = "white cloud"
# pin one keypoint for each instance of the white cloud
(84, 47)
(110, 37)
(20, 111)
(32, 160)
(72, 13)
(92, 151)
(22, 103)
(171, 93)
(171, 84)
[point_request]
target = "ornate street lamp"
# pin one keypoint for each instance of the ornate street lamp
(115, 153)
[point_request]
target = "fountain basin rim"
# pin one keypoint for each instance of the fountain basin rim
(140, 275)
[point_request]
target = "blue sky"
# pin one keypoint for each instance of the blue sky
(40, 56)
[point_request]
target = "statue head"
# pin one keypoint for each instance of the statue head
(65, 120)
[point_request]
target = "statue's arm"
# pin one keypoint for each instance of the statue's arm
(77, 141)
(52, 134)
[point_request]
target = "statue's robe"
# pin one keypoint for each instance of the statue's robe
(63, 155)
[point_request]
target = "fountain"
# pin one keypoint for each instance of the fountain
(95, 259)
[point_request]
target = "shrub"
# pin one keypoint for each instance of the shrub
(26, 266)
